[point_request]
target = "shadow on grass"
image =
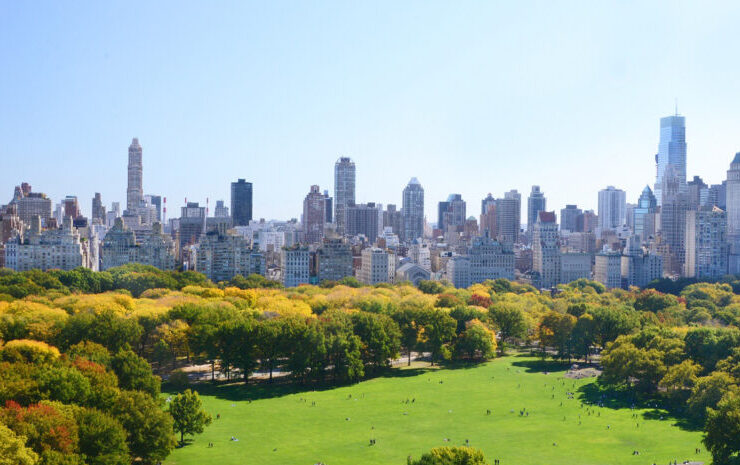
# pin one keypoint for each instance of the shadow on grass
(654, 409)
(540, 365)
(237, 390)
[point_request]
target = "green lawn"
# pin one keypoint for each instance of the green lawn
(280, 427)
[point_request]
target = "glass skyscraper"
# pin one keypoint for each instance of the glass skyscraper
(671, 150)
(241, 202)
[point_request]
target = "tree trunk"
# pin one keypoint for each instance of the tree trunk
(409, 357)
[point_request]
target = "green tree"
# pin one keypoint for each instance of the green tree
(476, 342)
(235, 340)
(188, 415)
(510, 322)
(722, 431)
(451, 456)
(707, 393)
(102, 439)
(380, 336)
(106, 328)
(134, 373)
(149, 428)
(679, 380)
(410, 323)
(439, 331)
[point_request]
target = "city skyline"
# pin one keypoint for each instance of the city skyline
(279, 107)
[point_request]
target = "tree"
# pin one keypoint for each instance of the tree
(555, 331)
(134, 373)
(13, 450)
(680, 379)
(439, 331)
(451, 456)
(267, 342)
(510, 322)
(583, 336)
(476, 342)
(707, 393)
(105, 328)
(381, 339)
(235, 340)
(410, 323)
(722, 431)
(102, 439)
(187, 414)
(149, 428)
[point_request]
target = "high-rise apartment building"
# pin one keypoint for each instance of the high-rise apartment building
(732, 201)
(30, 204)
(706, 245)
(362, 219)
(122, 246)
(639, 267)
(329, 207)
(135, 189)
(192, 224)
(378, 266)
(490, 259)
(98, 210)
(241, 202)
(412, 211)
(295, 262)
(344, 190)
(457, 271)
(536, 203)
(222, 256)
(608, 269)
(612, 208)
(486, 202)
(221, 210)
(71, 207)
(509, 216)
(50, 249)
(314, 216)
(569, 218)
(698, 193)
(671, 151)
(546, 250)
(451, 213)
(334, 259)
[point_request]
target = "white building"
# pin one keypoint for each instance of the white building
(295, 265)
(378, 266)
(46, 250)
(608, 269)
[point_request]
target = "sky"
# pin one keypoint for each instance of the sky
(469, 97)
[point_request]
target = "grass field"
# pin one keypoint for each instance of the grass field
(282, 427)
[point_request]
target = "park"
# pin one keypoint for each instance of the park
(517, 409)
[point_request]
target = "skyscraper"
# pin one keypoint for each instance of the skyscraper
(671, 151)
(241, 202)
(451, 213)
(546, 249)
(569, 218)
(98, 210)
(706, 247)
(643, 215)
(673, 221)
(314, 215)
(509, 216)
(612, 208)
(732, 201)
(413, 211)
(344, 190)
(535, 204)
(135, 190)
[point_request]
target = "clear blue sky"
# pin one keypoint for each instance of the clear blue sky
(469, 97)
